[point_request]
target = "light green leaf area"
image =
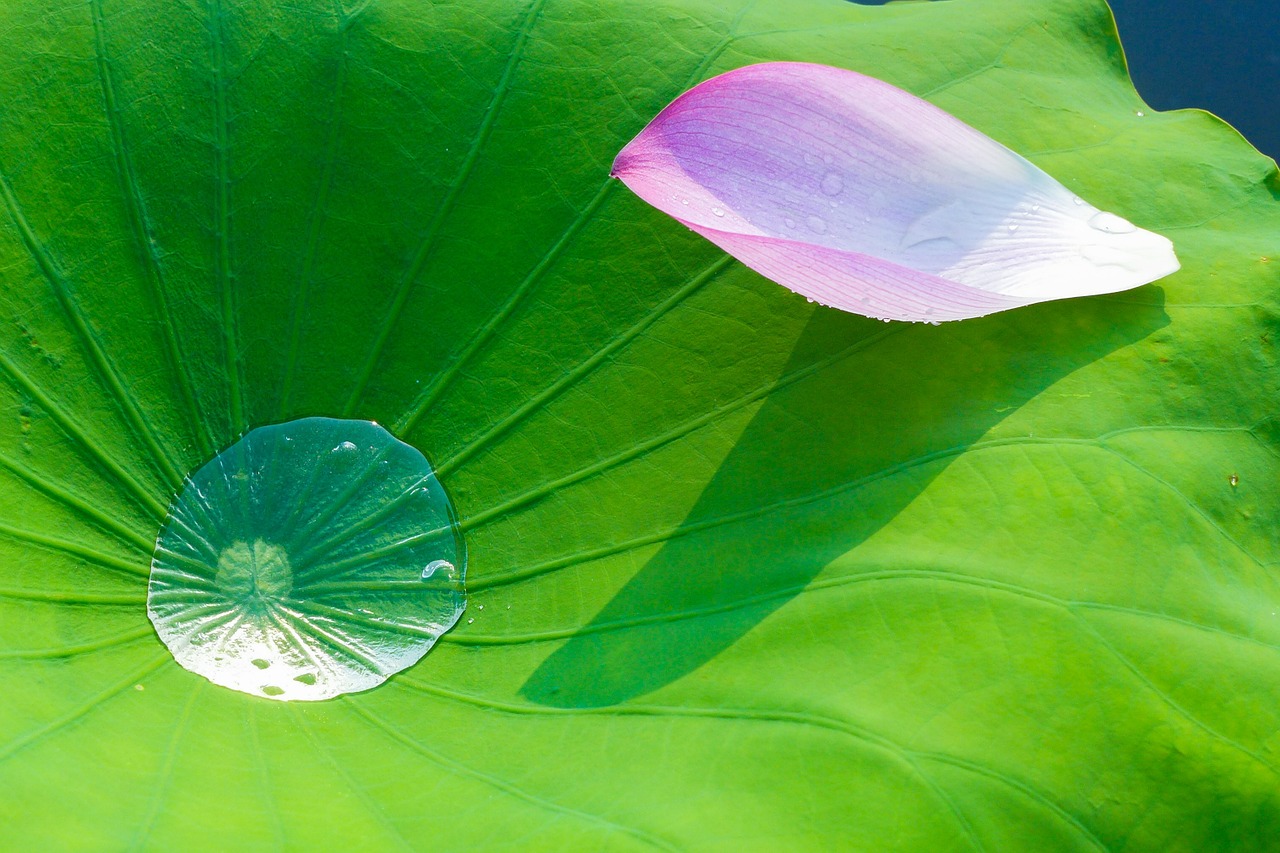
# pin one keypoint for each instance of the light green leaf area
(745, 573)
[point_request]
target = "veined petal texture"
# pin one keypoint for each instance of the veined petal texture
(866, 198)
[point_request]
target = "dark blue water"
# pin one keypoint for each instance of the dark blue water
(1218, 55)
(1222, 56)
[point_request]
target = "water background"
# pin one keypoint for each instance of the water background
(1222, 56)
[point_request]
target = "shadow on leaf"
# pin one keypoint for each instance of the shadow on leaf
(793, 493)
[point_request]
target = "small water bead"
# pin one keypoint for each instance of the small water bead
(832, 184)
(1109, 223)
(718, 211)
(816, 224)
(292, 564)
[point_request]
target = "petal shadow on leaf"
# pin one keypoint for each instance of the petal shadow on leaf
(669, 620)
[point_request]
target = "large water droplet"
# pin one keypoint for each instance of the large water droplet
(1109, 223)
(832, 184)
(291, 564)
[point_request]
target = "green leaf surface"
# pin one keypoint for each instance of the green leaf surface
(745, 573)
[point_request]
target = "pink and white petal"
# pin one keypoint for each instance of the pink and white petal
(827, 159)
(861, 284)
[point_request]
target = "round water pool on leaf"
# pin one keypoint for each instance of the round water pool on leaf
(309, 559)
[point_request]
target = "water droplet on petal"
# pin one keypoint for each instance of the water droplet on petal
(816, 224)
(832, 184)
(1077, 200)
(718, 211)
(1109, 223)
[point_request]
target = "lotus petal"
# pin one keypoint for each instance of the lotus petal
(866, 198)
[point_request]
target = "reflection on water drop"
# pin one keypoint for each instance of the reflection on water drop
(437, 566)
(291, 565)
